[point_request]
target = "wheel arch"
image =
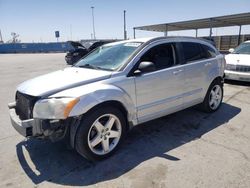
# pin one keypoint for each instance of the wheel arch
(210, 82)
(113, 103)
(76, 123)
(204, 106)
(218, 79)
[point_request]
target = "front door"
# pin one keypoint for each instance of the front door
(159, 92)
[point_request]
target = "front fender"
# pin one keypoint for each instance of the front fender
(104, 93)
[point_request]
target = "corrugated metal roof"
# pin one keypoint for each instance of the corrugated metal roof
(220, 21)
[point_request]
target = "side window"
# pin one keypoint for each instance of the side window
(209, 52)
(192, 51)
(162, 56)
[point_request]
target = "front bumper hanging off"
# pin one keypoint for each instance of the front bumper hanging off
(55, 130)
(27, 128)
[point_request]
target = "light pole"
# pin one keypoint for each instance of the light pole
(124, 17)
(93, 21)
(1, 38)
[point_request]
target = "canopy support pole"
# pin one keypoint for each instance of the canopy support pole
(166, 32)
(211, 29)
(239, 35)
(196, 33)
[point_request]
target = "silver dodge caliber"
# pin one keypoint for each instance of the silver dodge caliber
(117, 86)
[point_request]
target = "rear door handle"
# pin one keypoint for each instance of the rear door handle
(177, 72)
(208, 64)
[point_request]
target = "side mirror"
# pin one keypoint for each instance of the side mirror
(231, 50)
(144, 67)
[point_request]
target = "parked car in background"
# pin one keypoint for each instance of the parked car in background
(77, 52)
(238, 63)
(96, 44)
(80, 50)
(210, 40)
(117, 86)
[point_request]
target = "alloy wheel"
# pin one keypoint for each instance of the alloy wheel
(104, 134)
(215, 97)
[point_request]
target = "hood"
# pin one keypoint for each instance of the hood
(54, 82)
(238, 59)
(76, 44)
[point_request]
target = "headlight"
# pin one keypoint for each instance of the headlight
(75, 54)
(54, 108)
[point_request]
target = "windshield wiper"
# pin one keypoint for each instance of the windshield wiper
(94, 67)
(89, 66)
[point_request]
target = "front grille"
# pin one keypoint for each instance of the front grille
(24, 105)
(230, 67)
(242, 68)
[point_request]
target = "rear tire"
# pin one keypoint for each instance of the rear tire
(214, 96)
(100, 133)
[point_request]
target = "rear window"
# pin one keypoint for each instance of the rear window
(192, 51)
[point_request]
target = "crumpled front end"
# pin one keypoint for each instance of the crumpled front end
(23, 122)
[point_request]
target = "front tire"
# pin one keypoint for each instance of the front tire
(100, 133)
(214, 96)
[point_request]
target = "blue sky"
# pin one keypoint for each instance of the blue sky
(36, 20)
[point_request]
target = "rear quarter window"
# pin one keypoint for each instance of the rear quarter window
(193, 51)
(209, 52)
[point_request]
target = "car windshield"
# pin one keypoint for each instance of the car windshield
(244, 48)
(109, 57)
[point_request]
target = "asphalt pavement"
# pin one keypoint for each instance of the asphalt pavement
(186, 149)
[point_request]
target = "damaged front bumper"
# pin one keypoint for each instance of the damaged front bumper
(52, 129)
(27, 128)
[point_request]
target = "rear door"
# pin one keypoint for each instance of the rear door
(197, 65)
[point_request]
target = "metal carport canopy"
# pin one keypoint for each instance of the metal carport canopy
(213, 22)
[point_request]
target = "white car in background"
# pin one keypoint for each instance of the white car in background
(238, 63)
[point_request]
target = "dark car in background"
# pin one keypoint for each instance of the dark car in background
(96, 44)
(210, 40)
(80, 50)
(76, 53)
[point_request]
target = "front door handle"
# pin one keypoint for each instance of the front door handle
(177, 72)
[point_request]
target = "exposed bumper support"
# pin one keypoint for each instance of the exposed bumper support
(53, 129)
(27, 128)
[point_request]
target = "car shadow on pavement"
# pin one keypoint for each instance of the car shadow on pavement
(45, 161)
(238, 83)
